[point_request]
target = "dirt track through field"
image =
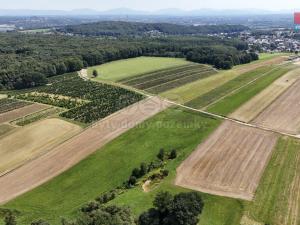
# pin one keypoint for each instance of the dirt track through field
(257, 104)
(76, 149)
(24, 111)
(284, 113)
(229, 163)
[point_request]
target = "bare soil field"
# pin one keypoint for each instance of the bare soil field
(257, 104)
(31, 141)
(284, 113)
(229, 163)
(24, 111)
(69, 153)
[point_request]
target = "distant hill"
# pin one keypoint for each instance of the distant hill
(127, 11)
(118, 28)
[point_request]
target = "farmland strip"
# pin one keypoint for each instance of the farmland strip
(77, 148)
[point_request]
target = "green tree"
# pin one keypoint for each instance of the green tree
(182, 209)
(95, 73)
(143, 169)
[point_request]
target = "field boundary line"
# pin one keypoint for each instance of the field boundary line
(233, 120)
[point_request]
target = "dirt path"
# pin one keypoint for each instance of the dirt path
(84, 74)
(76, 149)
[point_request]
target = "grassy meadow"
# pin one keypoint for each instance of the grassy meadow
(121, 69)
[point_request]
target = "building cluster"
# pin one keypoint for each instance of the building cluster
(272, 41)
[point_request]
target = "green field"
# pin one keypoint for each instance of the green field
(277, 200)
(121, 69)
(232, 102)
(212, 96)
(108, 168)
(265, 56)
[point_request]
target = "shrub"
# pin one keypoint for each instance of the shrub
(173, 154)
(165, 173)
(143, 169)
(132, 180)
(95, 73)
(161, 154)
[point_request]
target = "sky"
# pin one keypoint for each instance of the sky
(150, 5)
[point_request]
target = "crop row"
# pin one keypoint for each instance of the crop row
(179, 82)
(163, 73)
(172, 77)
(8, 104)
(100, 100)
(217, 93)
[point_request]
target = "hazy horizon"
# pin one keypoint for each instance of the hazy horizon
(154, 5)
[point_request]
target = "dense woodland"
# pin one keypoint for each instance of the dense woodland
(27, 60)
(119, 28)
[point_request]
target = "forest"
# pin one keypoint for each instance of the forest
(28, 60)
(120, 28)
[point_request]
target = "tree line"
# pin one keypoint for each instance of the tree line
(120, 28)
(28, 60)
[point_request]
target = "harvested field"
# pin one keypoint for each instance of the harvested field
(229, 163)
(197, 88)
(31, 141)
(77, 148)
(284, 113)
(24, 111)
(257, 104)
